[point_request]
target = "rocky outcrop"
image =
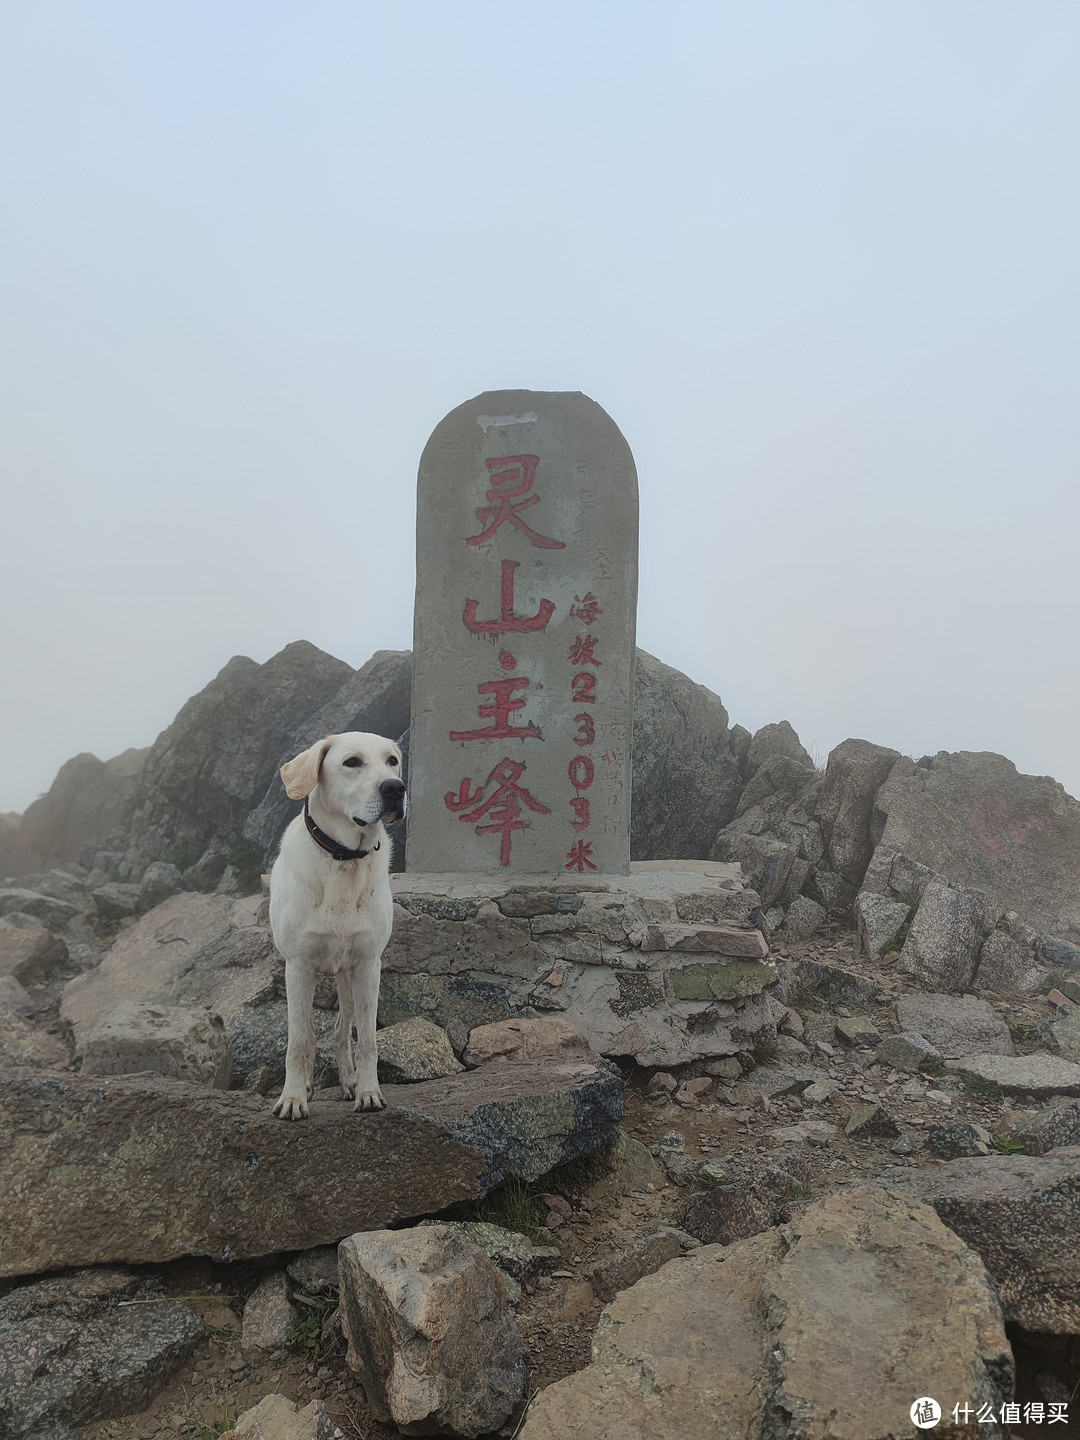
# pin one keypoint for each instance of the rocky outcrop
(431, 1337)
(88, 799)
(954, 1025)
(214, 1173)
(275, 1417)
(730, 1338)
(175, 1040)
(1021, 1214)
(972, 818)
(686, 774)
(213, 765)
(76, 1349)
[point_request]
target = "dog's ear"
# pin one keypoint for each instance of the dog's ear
(301, 775)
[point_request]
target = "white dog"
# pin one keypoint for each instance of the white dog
(331, 908)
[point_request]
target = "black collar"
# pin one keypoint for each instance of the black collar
(330, 845)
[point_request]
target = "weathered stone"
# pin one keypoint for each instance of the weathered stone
(88, 799)
(115, 901)
(44, 908)
(955, 1025)
(819, 1093)
(881, 923)
(13, 996)
(268, 1314)
(836, 985)
(258, 1035)
(415, 1050)
(728, 1068)
(277, 1418)
(708, 939)
(725, 1341)
(1061, 955)
(458, 1003)
(430, 1333)
(623, 1269)
(1009, 967)
(954, 1139)
(183, 1043)
(73, 1189)
(1057, 1124)
(727, 1213)
(804, 917)
(549, 1038)
(686, 767)
(1072, 990)
(943, 944)
(627, 1166)
(31, 956)
(721, 981)
(857, 1030)
(194, 950)
(160, 880)
(1040, 1075)
(871, 1122)
(1021, 1214)
(515, 1255)
(907, 1051)
(1066, 1032)
(567, 588)
(315, 1272)
(72, 1353)
(24, 1043)
(854, 773)
(776, 1080)
(974, 819)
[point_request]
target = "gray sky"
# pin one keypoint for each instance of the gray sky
(819, 262)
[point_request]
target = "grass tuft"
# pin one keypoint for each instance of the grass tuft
(1006, 1146)
(982, 1089)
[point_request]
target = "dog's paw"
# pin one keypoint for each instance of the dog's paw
(348, 1089)
(291, 1107)
(369, 1100)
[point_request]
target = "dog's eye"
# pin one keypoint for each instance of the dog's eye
(353, 760)
(393, 760)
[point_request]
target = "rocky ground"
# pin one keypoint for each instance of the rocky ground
(741, 1128)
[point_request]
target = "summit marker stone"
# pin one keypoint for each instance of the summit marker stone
(524, 628)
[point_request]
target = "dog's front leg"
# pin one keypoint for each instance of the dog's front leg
(365, 1009)
(300, 1054)
(343, 1033)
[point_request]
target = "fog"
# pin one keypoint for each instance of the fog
(818, 262)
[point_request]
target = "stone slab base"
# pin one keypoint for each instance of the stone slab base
(139, 1168)
(665, 965)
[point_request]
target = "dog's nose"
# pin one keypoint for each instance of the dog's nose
(392, 790)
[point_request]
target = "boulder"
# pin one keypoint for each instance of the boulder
(258, 1035)
(871, 1122)
(216, 761)
(854, 773)
(946, 935)
(277, 1418)
(726, 1213)
(686, 775)
(13, 996)
(804, 917)
(214, 1173)
(1021, 1214)
(729, 1340)
(954, 1025)
(515, 1255)
(836, 985)
(23, 1043)
(880, 922)
(88, 799)
(71, 1352)
(1057, 1124)
(1066, 1032)
(779, 740)
(184, 1043)
(315, 1272)
(548, 1038)
(457, 1003)
(415, 1050)
(626, 1267)
(268, 1314)
(45, 909)
(115, 901)
(974, 819)
(430, 1333)
(856, 1030)
(201, 950)
(1041, 1075)
(778, 783)
(952, 1140)
(159, 882)
(31, 956)
(374, 699)
(1007, 966)
(906, 1051)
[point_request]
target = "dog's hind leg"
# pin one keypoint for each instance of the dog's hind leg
(343, 1034)
(300, 1054)
(365, 1008)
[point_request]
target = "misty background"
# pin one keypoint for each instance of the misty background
(819, 263)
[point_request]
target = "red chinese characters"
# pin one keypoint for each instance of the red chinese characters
(579, 857)
(499, 712)
(507, 622)
(511, 478)
(502, 806)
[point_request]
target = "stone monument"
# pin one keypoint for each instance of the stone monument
(523, 649)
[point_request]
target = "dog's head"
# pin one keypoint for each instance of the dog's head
(357, 775)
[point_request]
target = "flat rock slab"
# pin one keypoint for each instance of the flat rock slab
(1021, 1213)
(1041, 1075)
(141, 1168)
(760, 1338)
(75, 1349)
(955, 1025)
